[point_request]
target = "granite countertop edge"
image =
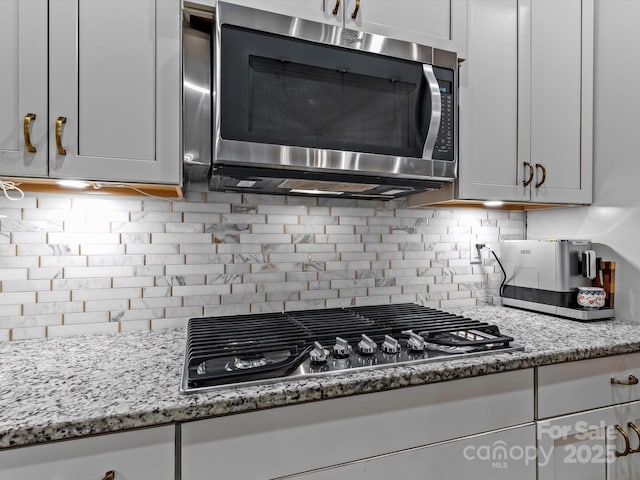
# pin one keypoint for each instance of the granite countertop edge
(158, 410)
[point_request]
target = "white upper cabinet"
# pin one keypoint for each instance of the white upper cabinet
(114, 90)
(23, 88)
(526, 103)
(561, 99)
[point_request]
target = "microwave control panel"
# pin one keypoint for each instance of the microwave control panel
(443, 149)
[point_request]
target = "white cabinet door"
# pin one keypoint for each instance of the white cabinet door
(560, 59)
(626, 467)
(488, 155)
(506, 454)
(136, 455)
(114, 90)
(23, 87)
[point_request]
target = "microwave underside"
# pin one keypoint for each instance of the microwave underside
(295, 182)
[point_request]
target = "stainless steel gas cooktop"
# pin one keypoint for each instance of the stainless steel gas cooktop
(266, 348)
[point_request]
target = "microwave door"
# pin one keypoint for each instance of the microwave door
(435, 102)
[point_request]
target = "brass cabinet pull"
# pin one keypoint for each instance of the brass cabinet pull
(355, 10)
(525, 183)
(627, 447)
(635, 428)
(26, 127)
(544, 175)
(336, 8)
(110, 475)
(59, 122)
(632, 380)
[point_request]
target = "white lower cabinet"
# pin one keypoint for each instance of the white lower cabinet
(506, 454)
(604, 392)
(146, 454)
(595, 445)
(301, 438)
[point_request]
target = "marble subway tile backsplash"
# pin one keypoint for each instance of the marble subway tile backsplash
(83, 264)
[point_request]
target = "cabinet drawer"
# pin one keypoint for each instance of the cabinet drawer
(584, 385)
(299, 438)
(138, 454)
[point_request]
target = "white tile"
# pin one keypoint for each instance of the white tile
(134, 227)
(25, 285)
(194, 269)
(225, 310)
(155, 302)
(304, 304)
(10, 310)
(115, 260)
(164, 323)
(194, 311)
(201, 290)
(152, 292)
(80, 283)
(135, 325)
(74, 238)
(183, 228)
(181, 238)
(102, 249)
(202, 207)
(16, 298)
(86, 317)
(54, 296)
(28, 333)
(90, 272)
(164, 259)
(138, 314)
(106, 305)
(87, 329)
(30, 237)
(106, 294)
(63, 261)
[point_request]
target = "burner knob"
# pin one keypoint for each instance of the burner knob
(341, 349)
(318, 354)
(390, 345)
(415, 342)
(367, 346)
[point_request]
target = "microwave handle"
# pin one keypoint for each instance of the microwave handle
(436, 111)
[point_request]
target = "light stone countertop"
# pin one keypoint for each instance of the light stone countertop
(65, 388)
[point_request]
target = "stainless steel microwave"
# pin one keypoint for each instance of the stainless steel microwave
(276, 104)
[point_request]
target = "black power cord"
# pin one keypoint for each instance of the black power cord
(480, 246)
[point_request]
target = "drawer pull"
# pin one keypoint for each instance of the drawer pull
(336, 8)
(544, 175)
(525, 183)
(635, 428)
(60, 121)
(627, 445)
(354, 15)
(26, 128)
(632, 380)
(110, 475)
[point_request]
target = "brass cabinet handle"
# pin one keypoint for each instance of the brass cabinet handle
(635, 428)
(59, 122)
(525, 183)
(336, 8)
(110, 475)
(632, 380)
(26, 127)
(355, 10)
(627, 448)
(544, 175)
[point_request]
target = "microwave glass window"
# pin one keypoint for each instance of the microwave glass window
(305, 105)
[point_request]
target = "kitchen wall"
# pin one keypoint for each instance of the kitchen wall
(88, 264)
(613, 221)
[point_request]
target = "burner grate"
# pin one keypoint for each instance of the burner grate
(229, 349)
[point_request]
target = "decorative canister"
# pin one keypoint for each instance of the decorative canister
(591, 297)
